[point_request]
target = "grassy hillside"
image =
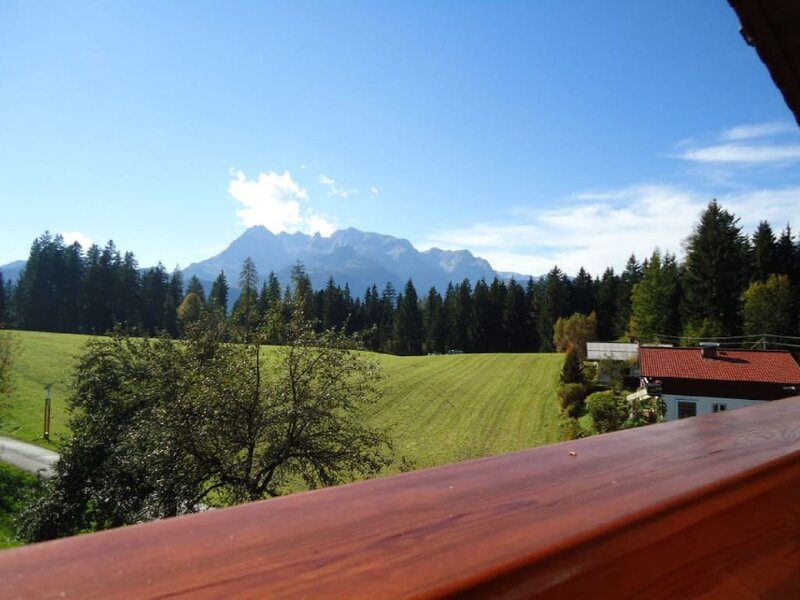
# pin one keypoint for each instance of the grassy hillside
(44, 358)
(439, 409)
(446, 408)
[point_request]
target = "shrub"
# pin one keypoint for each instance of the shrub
(648, 410)
(608, 409)
(572, 396)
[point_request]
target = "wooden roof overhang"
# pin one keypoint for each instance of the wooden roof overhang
(773, 28)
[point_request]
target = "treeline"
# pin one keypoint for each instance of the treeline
(728, 284)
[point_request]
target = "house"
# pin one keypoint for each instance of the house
(614, 360)
(696, 381)
(611, 351)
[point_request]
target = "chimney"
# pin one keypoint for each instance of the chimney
(709, 349)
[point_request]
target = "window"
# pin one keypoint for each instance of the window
(718, 407)
(687, 409)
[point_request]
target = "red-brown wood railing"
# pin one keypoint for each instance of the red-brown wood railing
(706, 506)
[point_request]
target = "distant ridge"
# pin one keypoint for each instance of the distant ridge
(353, 257)
(12, 270)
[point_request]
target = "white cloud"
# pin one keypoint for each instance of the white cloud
(755, 130)
(743, 154)
(317, 224)
(599, 233)
(735, 146)
(336, 189)
(274, 201)
(374, 191)
(76, 236)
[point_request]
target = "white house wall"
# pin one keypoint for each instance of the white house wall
(704, 404)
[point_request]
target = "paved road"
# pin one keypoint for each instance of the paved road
(27, 456)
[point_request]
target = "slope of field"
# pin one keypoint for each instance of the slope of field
(43, 358)
(443, 409)
(438, 409)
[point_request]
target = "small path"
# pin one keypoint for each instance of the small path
(27, 457)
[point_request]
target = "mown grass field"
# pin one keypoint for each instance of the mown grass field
(442, 409)
(438, 409)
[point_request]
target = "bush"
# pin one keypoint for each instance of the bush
(608, 409)
(572, 396)
(647, 411)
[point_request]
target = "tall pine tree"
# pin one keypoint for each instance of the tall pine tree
(715, 273)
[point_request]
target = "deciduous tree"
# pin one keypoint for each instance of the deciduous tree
(767, 307)
(160, 429)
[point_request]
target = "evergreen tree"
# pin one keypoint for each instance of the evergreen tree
(196, 288)
(607, 299)
(269, 300)
(582, 293)
(176, 285)
(497, 333)
(786, 259)
(334, 309)
(516, 318)
(572, 371)
(70, 315)
(302, 291)
(385, 326)
(34, 297)
(552, 301)
(218, 298)
(408, 322)
(433, 322)
(458, 306)
(715, 272)
(531, 304)
(629, 278)
(655, 299)
(244, 309)
(155, 290)
(481, 321)
(764, 252)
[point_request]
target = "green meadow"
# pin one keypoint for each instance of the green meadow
(438, 409)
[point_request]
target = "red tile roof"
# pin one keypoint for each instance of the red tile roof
(728, 365)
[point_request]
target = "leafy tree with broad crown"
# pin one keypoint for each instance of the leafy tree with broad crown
(573, 333)
(160, 429)
(767, 307)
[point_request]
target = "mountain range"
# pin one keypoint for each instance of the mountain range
(353, 257)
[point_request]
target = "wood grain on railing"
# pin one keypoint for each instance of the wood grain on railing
(708, 507)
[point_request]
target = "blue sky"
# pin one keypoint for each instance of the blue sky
(532, 133)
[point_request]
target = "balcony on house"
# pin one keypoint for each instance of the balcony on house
(708, 506)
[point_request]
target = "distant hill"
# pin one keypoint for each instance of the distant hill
(12, 270)
(350, 256)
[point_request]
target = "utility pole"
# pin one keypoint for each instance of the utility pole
(47, 402)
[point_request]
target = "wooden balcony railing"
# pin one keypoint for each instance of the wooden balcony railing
(708, 507)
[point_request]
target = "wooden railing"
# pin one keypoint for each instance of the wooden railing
(706, 506)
